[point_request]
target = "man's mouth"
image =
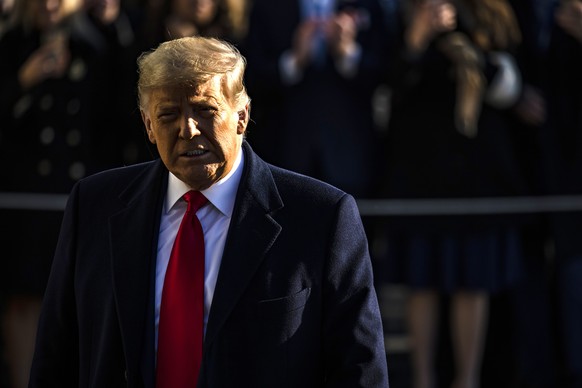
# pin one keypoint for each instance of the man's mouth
(195, 153)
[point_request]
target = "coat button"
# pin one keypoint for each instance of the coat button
(44, 167)
(22, 106)
(77, 70)
(47, 135)
(77, 171)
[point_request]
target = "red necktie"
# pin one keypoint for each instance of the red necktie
(181, 326)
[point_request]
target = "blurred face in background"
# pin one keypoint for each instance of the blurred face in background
(6, 7)
(46, 14)
(200, 12)
(105, 11)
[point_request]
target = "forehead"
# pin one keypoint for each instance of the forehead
(208, 92)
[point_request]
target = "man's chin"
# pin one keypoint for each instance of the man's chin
(199, 178)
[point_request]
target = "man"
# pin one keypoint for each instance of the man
(288, 294)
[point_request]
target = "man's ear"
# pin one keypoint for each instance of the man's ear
(243, 119)
(148, 126)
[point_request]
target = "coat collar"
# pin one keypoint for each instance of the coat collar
(134, 236)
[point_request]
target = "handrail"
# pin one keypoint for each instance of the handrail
(369, 207)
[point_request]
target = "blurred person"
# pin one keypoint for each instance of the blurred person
(6, 7)
(531, 301)
(165, 20)
(563, 152)
(117, 26)
(454, 84)
(50, 85)
(283, 287)
(314, 65)
(212, 18)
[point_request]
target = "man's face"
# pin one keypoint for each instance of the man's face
(197, 132)
(48, 13)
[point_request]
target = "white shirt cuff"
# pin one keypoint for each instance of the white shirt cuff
(505, 87)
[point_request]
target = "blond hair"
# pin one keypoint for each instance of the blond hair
(192, 61)
(496, 26)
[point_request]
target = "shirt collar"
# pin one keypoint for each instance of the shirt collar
(221, 194)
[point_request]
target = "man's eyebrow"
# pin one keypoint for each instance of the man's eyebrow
(165, 105)
(204, 99)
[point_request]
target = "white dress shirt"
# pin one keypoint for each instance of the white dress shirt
(215, 218)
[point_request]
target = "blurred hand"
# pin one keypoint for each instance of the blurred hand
(341, 32)
(49, 61)
(303, 41)
(531, 108)
(569, 18)
(429, 18)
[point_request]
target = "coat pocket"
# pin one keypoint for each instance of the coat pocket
(281, 322)
(286, 304)
(282, 317)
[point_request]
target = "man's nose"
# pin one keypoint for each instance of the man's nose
(189, 127)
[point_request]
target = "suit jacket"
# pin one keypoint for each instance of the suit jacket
(294, 304)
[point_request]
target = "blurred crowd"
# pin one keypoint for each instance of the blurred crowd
(395, 99)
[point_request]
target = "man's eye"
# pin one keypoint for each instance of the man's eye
(206, 112)
(167, 116)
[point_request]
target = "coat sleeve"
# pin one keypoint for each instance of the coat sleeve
(353, 334)
(56, 361)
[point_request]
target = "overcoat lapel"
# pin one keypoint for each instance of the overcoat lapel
(251, 234)
(134, 236)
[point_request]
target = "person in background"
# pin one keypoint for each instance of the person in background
(6, 7)
(531, 301)
(452, 87)
(276, 263)
(51, 83)
(314, 65)
(117, 26)
(224, 19)
(562, 139)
